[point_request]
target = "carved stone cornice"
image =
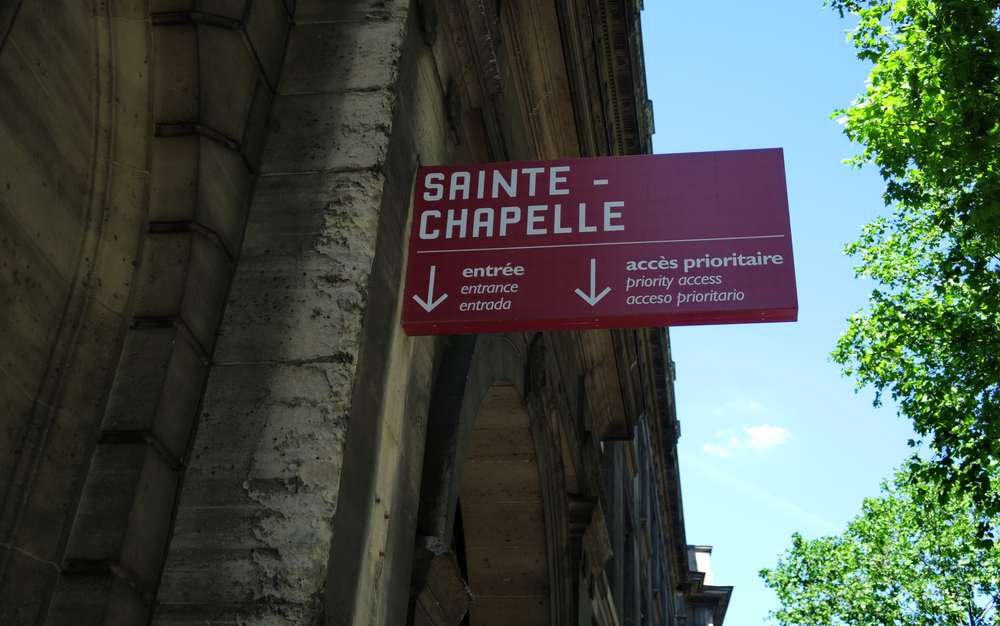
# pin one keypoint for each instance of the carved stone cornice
(603, 43)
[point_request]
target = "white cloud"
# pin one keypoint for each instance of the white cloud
(764, 436)
(758, 437)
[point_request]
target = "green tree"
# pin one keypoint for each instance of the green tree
(900, 562)
(929, 120)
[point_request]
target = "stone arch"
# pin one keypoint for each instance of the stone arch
(492, 456)
(503, 514)
(131, 134)
(469, 367)
(75, 137)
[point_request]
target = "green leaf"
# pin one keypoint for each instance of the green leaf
(910, 557)
(929, 120)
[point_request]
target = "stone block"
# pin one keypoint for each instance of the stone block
(128, 9)
(90, 367)
(123, 224)
(175, 74)
(281, 422)
(138, 382)
(170, 6)
(144, 545)
(44, 197)
(24, 592)
(48, 72)
(209, 581)
(131, 64)
(430, 119)
(107, 499)
(16, 404)
(102, 518)
(207, 285)
(446, 597)
(360, 10)
(489, 480)
(509, 610)
(181, 394)
(162, 276)
(212, 516)
(232, 9)
(300, 289)
(228, 79)
(267, 29)
(223, 194)
(174, 180)
(518, 571)
(71, 417)
(97, 598)
(332, 214)
(328, 131)
(335, 57)
(508, 443)
(33, 296)
(255, 132)
(511, 525)
(266, 612)
(125, 510)
(267, 459)
(157, 387)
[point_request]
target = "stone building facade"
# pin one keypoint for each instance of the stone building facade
(210, 414)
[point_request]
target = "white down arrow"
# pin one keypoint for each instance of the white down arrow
(430, 303)
(593, 298)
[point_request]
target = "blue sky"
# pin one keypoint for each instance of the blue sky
(773, 439)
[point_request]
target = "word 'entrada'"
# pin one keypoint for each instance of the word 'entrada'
(503, 220)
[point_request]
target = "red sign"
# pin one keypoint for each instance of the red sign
(611, 242)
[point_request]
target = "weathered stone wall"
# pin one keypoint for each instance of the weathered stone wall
(214, 415)
(75, 134)
(130, 138)
(124, 211)
(253, 532)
